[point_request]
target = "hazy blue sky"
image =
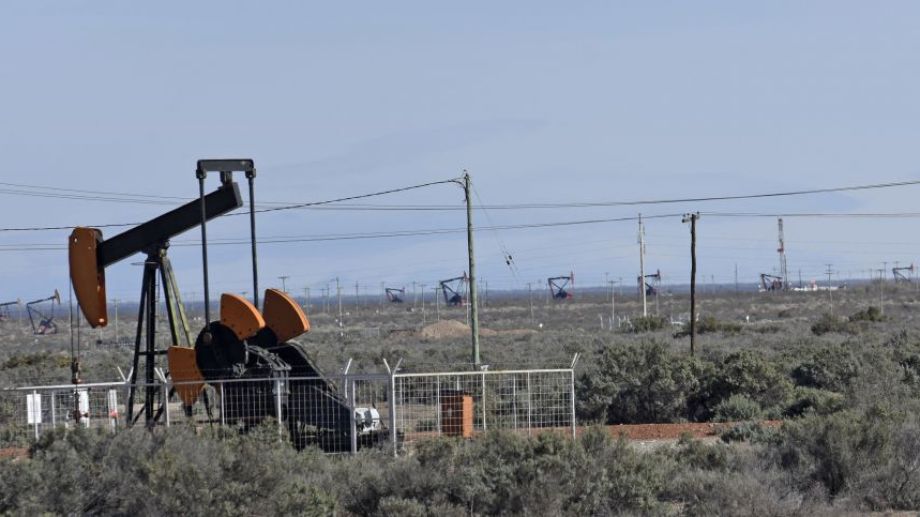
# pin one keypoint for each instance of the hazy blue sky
(540, 101)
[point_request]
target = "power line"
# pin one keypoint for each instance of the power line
(91, 195)
(360, 236)
(274, 209)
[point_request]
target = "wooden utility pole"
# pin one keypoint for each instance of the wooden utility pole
(530, 298)
(338, 295)
(473, 302)
(642, 266)
(692, 218)
(437, 302)
(613, 305)
(283, 279)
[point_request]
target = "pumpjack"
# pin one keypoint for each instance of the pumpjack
(898, 274)
(43, 324)
(558, 284)
(651, 288)
(771, 282)
(454, 290)
(395, 295)
(4, 308)
(244, 344)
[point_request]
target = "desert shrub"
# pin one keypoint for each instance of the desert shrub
(830, 368)
(709, 325)
(871, 313)
(749, 374)
(736, 408)
(747, 432)
(641, 383)
(647, 324)
(806, 400)
(871, 458)
(830, 323)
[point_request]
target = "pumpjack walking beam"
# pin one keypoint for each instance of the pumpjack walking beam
(90, 254)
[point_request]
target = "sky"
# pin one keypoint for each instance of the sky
(541, 102)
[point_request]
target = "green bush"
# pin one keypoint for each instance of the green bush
(830, 368)
(830, 323)
(752, 375)
(814, 400)
(710, 325)
(871, 313)
(642, 383)
(737, 408)
(648, 324)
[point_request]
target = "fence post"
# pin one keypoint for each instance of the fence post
(572, 394)
(223, 420)
(483, 401)
(278, 407)
(351, 417)
(166, 402)
(393, 412)
(36, 411)
(437, 399)
(529, 407)
(53, 410)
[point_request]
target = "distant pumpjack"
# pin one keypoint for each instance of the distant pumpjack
(395, 295)
(772, 282)
(454, 290)
(901, 277)
(45, 323)
(651, 289)
(558, 284)
(4, 308)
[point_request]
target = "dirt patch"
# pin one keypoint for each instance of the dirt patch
(674, 431)
(14, 452)
(451, 329)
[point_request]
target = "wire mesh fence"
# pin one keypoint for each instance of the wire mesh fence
(465, 403)
(338, 414)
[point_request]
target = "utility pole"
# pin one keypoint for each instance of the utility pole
(414, 296)
(115, 303)
(424, 316)
(357, 294)
(306, 299)
(642, 266)
(474, 298)
(437, 302)
(613, 305)
(692, 218)
(283, 279)
(338, 295)
(736, 278)
(783, 269)
(830, 297)
(530, 299)
(881, 290)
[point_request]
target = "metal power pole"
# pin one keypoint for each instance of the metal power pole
(642, 266)
(613, 305)
(692, 218)
(338, 295)
(474, 298)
